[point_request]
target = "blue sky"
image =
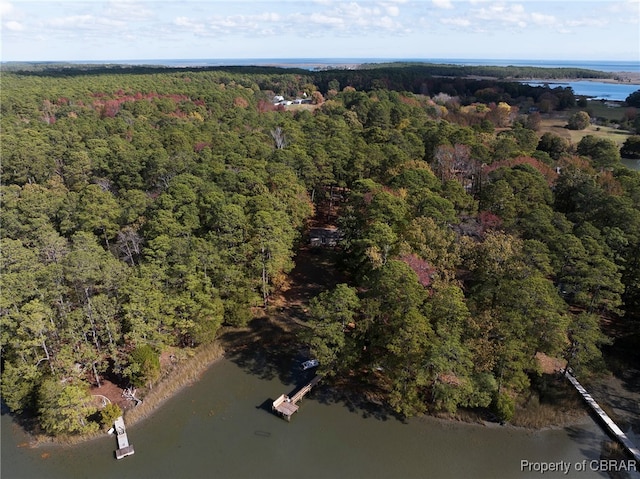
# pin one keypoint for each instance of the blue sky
(75, 30)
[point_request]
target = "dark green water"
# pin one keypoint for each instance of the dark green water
(219, 428)
(633, 164)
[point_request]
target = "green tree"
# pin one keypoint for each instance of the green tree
(332, 315)
(585, 337)
(603, 152)
(579, 121)
(633, 99)
(65, 408)
(631, 147)
(144, 366)
(273, 239)
(109, 414)
(554, 145)
(454, 381)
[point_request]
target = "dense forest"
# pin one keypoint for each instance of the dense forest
(142, 210)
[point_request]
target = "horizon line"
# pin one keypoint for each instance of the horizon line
(311, 58)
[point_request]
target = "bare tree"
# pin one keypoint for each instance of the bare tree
(279, 138)
(129, 242)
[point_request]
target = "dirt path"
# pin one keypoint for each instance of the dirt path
(315, 271)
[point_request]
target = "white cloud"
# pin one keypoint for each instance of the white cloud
(192, 26)
(70, 21)
(626, 12)
(629, 6)
(456, 22)
(5, 8)
(392, 10)
(257, 26)
(586, 22)
(350, 19)
(14, 26)
(182, 21)
(543, 19)
(387, 23)
(129, 9)
(501, 12)
(323, 19)
(84, 22)
(445, 4)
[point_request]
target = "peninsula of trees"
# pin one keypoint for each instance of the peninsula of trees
(146, 209)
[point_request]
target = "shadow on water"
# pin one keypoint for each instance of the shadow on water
(266, 405)
(601, 450)
(621, 393)
(270, 354)
(587, 445)
(276, 354)
(28, 422)
(271, 348)
(356, 403)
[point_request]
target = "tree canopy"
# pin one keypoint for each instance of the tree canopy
(145, 210)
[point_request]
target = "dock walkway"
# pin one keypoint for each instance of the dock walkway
(612, 426)
(124, 448)
(286, 405)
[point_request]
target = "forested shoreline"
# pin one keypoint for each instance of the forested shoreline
(421, 68)
(144, 210)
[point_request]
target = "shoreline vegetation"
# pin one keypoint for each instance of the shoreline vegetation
(533, 416)
(181, 376)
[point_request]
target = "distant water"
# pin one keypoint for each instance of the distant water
(594, 89)
(320, 63)
(633, 164)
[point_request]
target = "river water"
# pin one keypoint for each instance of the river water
(595, 90)
(633, 164)
(221, 427)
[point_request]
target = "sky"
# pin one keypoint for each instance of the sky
(103, 30)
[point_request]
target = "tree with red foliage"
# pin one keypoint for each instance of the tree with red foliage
(489, 221)
(423, 269)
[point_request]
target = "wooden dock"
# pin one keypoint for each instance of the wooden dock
(286, 406)
(611, 426)
(124, 448)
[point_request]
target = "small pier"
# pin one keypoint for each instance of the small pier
(124, 448)
(611, 426)
(286, 406)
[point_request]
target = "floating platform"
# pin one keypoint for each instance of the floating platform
(124, 448)
(611, 426)
(286, 406)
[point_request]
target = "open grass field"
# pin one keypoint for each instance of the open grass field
(600, 109)
(556, 123)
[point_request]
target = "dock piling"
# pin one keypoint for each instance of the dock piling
(286, 405)
(124, 448)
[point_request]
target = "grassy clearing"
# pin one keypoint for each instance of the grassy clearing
(600, 109)
(556, 122)
(301, 107)
(556, 125)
